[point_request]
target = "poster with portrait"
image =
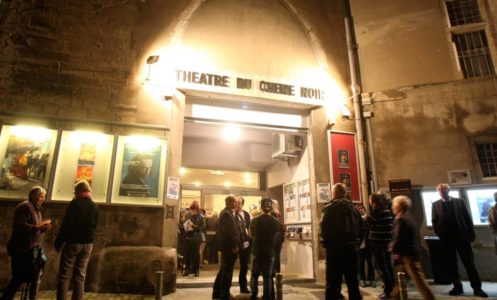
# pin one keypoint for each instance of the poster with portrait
(323, 191)
(344, 166)
(458, 177)
(26, 160)
(343, 159)
(290, 202)
(140, 171)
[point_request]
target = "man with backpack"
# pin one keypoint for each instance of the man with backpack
(341, 233)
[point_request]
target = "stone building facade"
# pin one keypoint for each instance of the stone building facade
(433, 100)
(72, 65)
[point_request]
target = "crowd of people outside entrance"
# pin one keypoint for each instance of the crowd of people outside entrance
(394, 242)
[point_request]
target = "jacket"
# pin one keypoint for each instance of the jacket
(228, 232)
(341, 225)
(463, 220)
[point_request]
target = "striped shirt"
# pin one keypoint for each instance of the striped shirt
(380, 223)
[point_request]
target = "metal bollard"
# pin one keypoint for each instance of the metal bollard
(279, 286)
(402, 285)
(158, 284)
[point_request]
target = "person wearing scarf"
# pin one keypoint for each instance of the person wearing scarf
(75, 241)
(25, 241)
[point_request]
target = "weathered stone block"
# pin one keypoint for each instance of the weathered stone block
(132, 270)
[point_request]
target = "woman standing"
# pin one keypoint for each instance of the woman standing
(25, 241)
(194, 226)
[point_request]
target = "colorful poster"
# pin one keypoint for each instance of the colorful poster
(343, 155)
(86, 162)
(26, 159)
(140, 171)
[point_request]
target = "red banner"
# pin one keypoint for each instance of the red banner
(343, 160)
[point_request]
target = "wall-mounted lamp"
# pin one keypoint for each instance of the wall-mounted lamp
(345, 112)
(150, 61)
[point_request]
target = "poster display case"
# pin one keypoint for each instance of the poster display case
(304, 190)
(290, 202)
(26, 155)
(83, 155)
(480, 201)
(431, 196)
(139, 170)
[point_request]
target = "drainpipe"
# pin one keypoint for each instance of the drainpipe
(356, 94)
(372, 163)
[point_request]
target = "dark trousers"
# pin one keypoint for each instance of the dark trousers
(452, 248)
(244, 256)
(22, 272)
(383, 261)
(192, 254)
(222, 284)
(366, 261)
(340, 263)
(262, 266)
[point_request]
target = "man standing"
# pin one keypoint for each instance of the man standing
(492, 220)
(454, 226)
(244, 254)
(263, 230)
(229, 242)
(341, 233)
(75, 241)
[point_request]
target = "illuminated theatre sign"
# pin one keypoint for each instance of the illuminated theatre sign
(249, 87)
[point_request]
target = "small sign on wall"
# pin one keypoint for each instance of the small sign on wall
(173, 188)
(458, 177)
(323, 192)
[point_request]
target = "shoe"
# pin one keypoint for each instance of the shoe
(372, 284)
(363, 283)
(382, 296)
(185, 273)
(244, 290)
(456, 291)
(480, 293)
(341, 296)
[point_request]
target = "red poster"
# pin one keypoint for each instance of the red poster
(343, 161)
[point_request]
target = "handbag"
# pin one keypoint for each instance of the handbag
(39, 258)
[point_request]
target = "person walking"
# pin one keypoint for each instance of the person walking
(244, 254)
(366, 269)
(75, 241)
(405, 247)
(380, 223)
(25, 243)
(341, 233)
(454, 226)
(263, 230)
(229, 242)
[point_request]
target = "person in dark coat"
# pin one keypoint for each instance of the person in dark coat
(229, 243)
(341, 232)
(244, 253)
(454, 226)
(24, 242)
(75, 241)
(194, 226)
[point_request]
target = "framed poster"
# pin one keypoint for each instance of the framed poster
(480, 201)
(290, 202)
(323, 191)
(83, 155)
(344, 166)
(173, 188)
(140, 170)
(458, 177)
(26, 154)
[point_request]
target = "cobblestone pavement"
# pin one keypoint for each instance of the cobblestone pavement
(304, 291)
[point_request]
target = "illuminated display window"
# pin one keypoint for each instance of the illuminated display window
(228, 179)
(83, 155)
(25, 158)
(480, 201)
(139, 170)
(429, 198)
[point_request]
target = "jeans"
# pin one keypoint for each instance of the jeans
(22, 271)
(383, 261)
(74, 258)
(366, 261)
(244, 256)
(262, 266)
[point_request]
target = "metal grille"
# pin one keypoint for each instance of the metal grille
(474, 54)
(487, 154)
(463, 12)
